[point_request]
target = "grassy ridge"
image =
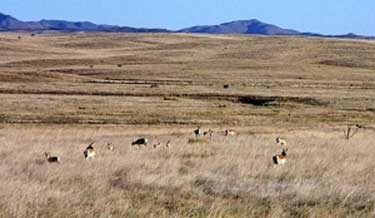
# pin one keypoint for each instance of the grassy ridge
(318, 81)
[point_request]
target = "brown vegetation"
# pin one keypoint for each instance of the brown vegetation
(60, 92)
(325, 176)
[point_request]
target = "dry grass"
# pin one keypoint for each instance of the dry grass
(201, 140)
(326, 175)
(312, 81)
(60, 92)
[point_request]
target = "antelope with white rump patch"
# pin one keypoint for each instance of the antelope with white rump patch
(168, 144)
(280, 159)
(156, 145)
(230, 132)
(140, 141)
(209, 133)
(281, 142)
(198, 132)
(89, 153)
(110, 146)
(52, 159)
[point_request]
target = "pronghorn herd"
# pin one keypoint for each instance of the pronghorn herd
(90, 152)
(167, 144)
(278, 159)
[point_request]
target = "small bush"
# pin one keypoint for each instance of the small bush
(170, 99)
(198, 140)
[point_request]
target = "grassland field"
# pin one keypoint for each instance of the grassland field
(59, 92)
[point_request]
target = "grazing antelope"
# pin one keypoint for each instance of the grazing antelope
(140, 141)
(230, 132)
(281, 141)
(352, 130)
(198, 132)
(359, 126)
(209, 133)
(280, 159)
(168, 144)
(110, 146)
(89, 153)
(156, 145)
(52, 159)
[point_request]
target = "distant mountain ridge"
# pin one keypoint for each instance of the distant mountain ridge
(253, 26)
(9, 23)
(241, 27)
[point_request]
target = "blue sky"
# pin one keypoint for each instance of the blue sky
(321, 16)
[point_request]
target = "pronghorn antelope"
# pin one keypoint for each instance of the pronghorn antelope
(230, 132)
(168, 144)
(280, 159)
(89, 153)
(209, 133)
(281, 141)
(352, 130)
(156, 145)
(140, 141)
(52, 159)
(198, 132)
(110, 146)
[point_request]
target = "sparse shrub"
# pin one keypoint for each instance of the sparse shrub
(120, 179)
(203, 155)
(3, 118)
(226, 86)
(166, 98)
(198, 140)
(206, 185)
(154, 85)
(183, 170)
(119, 65)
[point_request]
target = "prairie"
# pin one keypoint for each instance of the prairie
(59, 92)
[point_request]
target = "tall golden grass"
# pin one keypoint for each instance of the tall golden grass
(60, 92)
(325, 176)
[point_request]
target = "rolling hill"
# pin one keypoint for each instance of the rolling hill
(9, 23)
(252, 26)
